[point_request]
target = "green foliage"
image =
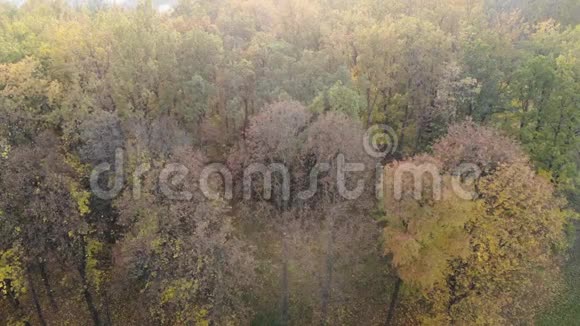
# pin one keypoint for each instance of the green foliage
(230, 80)
(12, 282)
(522, 219)
(96, 251)
(424, 235)
(339, 98)
(472, 260)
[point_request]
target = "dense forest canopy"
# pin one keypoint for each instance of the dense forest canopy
(129, 132)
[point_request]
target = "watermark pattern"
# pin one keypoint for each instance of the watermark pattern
(378, 142)
(118, 179)
(417, 171)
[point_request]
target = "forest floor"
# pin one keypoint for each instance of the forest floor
(566, 310)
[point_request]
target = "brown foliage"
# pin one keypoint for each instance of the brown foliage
(468, 142)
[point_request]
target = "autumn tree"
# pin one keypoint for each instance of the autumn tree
(47, 225)
(485, 237)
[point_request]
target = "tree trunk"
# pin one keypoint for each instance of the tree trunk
(393, 304)
(105, 297)
(525, 107)
(85, 286)
(11, 294)
(540, 115)
(107, 305)
(403, 127)
(90, 304)
(418, 139)
(284, 318)
(46, 282)
(35, 300)
(556, 136)
(326, 289)
(370, 107)
(246, 118)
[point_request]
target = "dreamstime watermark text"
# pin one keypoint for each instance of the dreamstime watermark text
(107, 180)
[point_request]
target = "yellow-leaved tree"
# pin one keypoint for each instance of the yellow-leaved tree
(493, 258)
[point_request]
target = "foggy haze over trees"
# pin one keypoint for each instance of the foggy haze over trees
(289, 162)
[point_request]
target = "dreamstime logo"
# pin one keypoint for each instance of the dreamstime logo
(378, 141)
(174, 174)
(462, 176)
